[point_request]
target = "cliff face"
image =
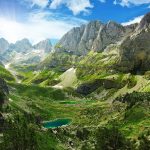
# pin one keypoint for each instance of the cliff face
(3, 45)
(44, 45)
(135, 49)
(93, 36)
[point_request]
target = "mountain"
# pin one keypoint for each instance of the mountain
(24, 52)
(134, 51)
(3, 45)
(79, 41)
(99, 49)
(93, 36)
(44, 45)
(22, 46)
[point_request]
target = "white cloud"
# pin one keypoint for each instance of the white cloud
(76, 6)
(38, 27)
(135, 20)
(40, 3)
(131, 2)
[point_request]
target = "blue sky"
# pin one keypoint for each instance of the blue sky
(40, 19)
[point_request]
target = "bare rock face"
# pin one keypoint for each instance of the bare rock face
(145, 22)
(93, 36)
(22, 46)
(70, 41)
(3, 45)
(44, 45)
(135, 49)
(109, 34)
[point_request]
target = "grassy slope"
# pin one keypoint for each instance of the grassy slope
(85, 113)
(91, 111)
(5, 74)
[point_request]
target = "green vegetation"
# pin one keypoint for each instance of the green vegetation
(111, 138)
(59, 62)
(44, 78)
(5, 74)
(113, 115)
(21, 132)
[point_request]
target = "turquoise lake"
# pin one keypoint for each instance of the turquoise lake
(56, 123)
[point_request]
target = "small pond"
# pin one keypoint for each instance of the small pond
(56, 123)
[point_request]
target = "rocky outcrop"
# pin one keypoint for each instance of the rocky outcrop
(44, 45)
(3, 45)
(90, 87)
(145, 22)
(93, 36)
(135, 49)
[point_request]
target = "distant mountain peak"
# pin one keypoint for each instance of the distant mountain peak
(46, 45)
(3, 39)
(24, 40)
(3, 45)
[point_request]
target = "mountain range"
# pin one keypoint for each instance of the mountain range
(93, 36)
(131, 43)
(23, 51)
(91, 91)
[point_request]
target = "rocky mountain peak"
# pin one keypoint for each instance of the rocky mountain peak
(3, 45)
(145, 22)
(112, 23)
(135, 49)
(46, 45)
(23, 45)
(33, 53)
(93, 36)
(24, 41)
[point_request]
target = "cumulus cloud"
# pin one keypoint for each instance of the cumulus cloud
(39, 26)
(135, 20)
(76, 6)
(131, 2)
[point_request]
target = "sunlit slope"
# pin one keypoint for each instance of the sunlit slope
(5, 74)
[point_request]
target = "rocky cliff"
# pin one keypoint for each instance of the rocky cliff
(135, 49)
(44, 45)
(93, 36)
(3, 45)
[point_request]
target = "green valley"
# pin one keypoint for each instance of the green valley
(92, 92)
